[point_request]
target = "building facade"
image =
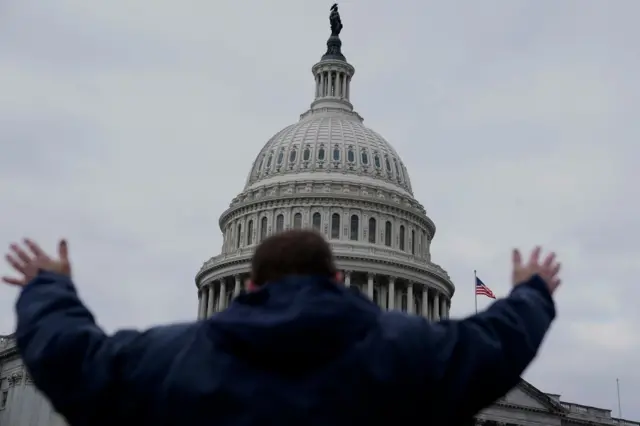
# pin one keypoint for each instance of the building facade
(330, 173)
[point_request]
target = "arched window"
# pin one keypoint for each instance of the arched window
(321, 154)
(280, 223)
(355, 227)
(269, 161)
(317, 221)
(263, 228)
(336, 154)
(239, 236)
(306, 155)
(372, 230)
(376, 161)
(280, 156)
(335, 226)
(364, 157)
(261, 163)
(388, 164)
(293, 155)
(387, 234)
(413, 242)
(250, 233)
(351, 156)
(297, 221)
(401, 237)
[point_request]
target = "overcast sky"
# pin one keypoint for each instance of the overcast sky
(128, 126)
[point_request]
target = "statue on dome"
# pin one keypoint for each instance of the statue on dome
(335, 21)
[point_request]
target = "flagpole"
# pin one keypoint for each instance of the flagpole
(619, 405)
(475, 284)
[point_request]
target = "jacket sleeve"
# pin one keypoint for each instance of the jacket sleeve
(470, 363)
(85, 374)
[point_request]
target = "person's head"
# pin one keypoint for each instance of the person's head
(297, 252)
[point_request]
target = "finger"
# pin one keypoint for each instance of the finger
(22, 255)
(35, 249)
(63, 251)
(517, 258)
(12, 281)
(548, 261)
(19, 267)
(535, 256)
(556, 269)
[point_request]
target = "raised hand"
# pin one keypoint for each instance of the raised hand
(28, 261)
(547, 270)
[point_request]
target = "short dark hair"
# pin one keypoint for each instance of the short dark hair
(296, 252)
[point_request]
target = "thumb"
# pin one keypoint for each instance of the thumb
(63, 251)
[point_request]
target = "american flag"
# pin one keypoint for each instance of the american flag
(483, 290)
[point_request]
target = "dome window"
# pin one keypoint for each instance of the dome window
(335, 226)
(281, 156)
(297, 221)
(321, 154)
(317, 221)
(351, 156)
(269, 161)
(402, 237)
(280, 223)
(364, 157)
(376, 160)
(263, 228)
(250, 233)
(261, 163)
(306, 155)
(397, 170)
(292, 156)
(336, 154)
(387, 234)
(387, 164)
(355, 227)
(372, 230)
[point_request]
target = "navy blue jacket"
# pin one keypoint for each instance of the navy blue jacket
(303, 351)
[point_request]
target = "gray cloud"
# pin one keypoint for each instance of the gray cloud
(129, 126)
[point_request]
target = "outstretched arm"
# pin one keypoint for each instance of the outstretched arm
(469, 364)
(71, 360)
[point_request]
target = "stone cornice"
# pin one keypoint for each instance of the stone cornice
(351, 196)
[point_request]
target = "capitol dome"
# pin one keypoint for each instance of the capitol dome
(330, 173)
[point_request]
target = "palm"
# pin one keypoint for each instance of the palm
(28, 263)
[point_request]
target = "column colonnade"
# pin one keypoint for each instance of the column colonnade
(388, 292)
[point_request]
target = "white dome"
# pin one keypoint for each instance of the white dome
(329, 142)
(330, 173)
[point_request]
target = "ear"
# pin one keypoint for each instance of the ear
(339, 277)
(249, 285)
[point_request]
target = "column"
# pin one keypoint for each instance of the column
(344, 85)
(236, 288)
(443, 307)
(410, 303)
(222, 299)
(436, 307)
(202, 303)
(391, 301)
(338, 85)
(347, 278)
(321, 84)
(370, 286)
(425, 301)
(212, 299)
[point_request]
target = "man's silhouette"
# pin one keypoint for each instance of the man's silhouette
(297, 349)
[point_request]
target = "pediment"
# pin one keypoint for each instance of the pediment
(527, 396)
